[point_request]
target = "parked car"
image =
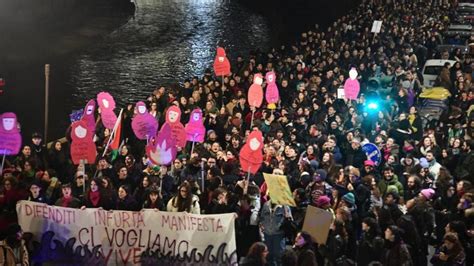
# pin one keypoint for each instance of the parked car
(431, 70)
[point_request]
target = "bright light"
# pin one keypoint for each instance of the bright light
(373, 106)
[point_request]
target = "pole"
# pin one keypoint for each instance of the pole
(202, 178)
(192, 148)
(251, 121)
(46, 101)
(113, 132)
(3, 161)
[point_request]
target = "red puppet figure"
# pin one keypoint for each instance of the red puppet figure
(82, 146)
(162, 149)
(89, 116)
(107, 105)
(10, 138)
(144, 125)
(195, 129)
(221, 63)
(251, 156)
(173, 119)
(255, 96)
(271, 94)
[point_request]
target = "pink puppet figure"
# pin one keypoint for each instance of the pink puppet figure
(173, 119)
(251, 156)
(89, 116)
(162, 149)
(144, 125)
(107, 105)
(255, 94)
(82, 146)
(221, 63)
(352, 86)
(195, 129)
(10, 138)
(271, 94)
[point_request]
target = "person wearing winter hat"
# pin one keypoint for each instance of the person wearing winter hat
(427, 193)
(349, 199)
(318, 186)
(323, 202)
(35, 193)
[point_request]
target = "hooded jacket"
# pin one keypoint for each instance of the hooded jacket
(383, 185)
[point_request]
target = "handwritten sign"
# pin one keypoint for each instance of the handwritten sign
(144, 125)
(82, 146)
(280, 191)
(376, 26)
(148, 237)
(317, 222)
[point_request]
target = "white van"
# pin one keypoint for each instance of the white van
(431, 70)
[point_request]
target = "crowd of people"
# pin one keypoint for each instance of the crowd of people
(385, 213)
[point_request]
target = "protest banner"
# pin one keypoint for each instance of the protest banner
(351, 85)
(82, 146)
(280, 191)
(317, 222)
(69, 236)
(161, 150)
(271, 94)
(221, 63)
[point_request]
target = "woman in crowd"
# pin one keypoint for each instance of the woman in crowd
(97, 196)
(185, 201)
(125, 201)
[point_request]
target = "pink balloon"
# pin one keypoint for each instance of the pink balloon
(162, 149)
(107, 105)
(195, 129)
(10, 137)
(82, 146)
(89, 115)
(255, 94)
(173, 119)
(144, 125)
(271, 95)
(351, 89)
(251, 156)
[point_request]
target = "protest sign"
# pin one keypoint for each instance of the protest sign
(195, 129)
(271, 94)
(10, 138)
(89, 116)
(376, 26)
(107, 105)
(317, 222)
(162, 149)
(280, 191)
(173, 119)
(69, 236)
(221, 63)
(251, 156)
(144, 125)
(255, 94)
(82, 146)
(352, 86)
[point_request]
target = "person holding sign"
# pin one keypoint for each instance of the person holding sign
(272, 217)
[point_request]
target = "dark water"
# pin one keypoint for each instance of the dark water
(164, 43)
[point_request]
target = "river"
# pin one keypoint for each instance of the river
(165, 42)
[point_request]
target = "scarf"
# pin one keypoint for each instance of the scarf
(94, 198)
(66, 201)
